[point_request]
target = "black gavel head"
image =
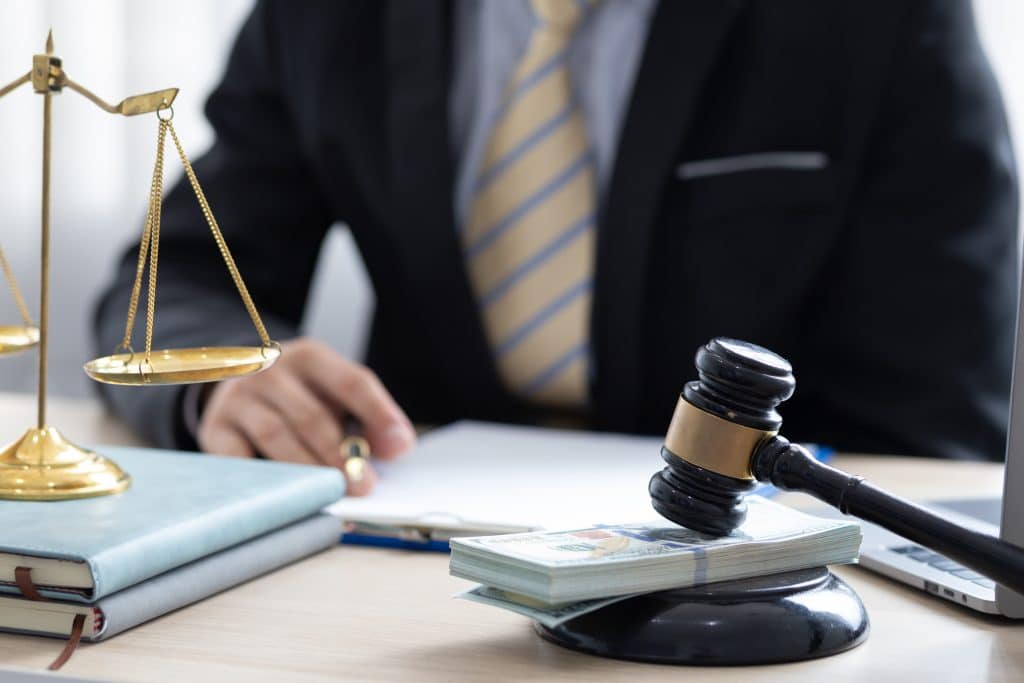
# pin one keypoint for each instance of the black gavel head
(720, 421)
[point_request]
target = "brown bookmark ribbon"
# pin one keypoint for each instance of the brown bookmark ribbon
(69, 647)
(23, 579)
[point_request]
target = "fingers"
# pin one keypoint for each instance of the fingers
(307, 416)
(295, 412)
(254, 427)
(224, 440)
(271, 434)
(355, 389)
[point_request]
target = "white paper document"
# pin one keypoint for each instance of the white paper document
(478, 478)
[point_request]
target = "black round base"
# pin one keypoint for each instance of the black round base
(787, 617)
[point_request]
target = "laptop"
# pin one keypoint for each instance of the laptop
(900, 559)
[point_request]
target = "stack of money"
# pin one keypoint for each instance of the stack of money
(553, 576)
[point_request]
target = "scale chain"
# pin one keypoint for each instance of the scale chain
(221, 244)
(155, 196)
(149, 246)
(154, 238)
(19, 301)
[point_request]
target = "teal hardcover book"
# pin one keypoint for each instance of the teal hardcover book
(179, 508)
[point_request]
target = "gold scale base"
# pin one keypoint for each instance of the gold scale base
(43, 465)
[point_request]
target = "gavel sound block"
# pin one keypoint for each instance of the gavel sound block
(722, 439)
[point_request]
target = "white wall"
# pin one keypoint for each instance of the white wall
(1000, 23)
(102, 163)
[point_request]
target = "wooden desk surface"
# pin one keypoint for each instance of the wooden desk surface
(366, 614)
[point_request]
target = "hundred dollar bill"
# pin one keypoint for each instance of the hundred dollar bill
(604, 560)
(549, 615)
(766, 523)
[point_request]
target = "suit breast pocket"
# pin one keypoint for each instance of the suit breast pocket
(776, 184)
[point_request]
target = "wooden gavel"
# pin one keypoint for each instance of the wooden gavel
(723, 438)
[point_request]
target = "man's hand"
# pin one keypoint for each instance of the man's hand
(296, 411)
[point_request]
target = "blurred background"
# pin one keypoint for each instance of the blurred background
(102, 163)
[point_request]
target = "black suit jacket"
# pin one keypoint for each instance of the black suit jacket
(887, 277)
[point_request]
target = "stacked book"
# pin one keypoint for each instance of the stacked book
(189, 526)
(554, 576)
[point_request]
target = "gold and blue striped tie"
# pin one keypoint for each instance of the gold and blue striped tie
(529, 237)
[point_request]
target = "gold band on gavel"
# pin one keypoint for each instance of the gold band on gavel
(712, 443)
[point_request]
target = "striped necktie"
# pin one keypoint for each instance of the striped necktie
(529, 237)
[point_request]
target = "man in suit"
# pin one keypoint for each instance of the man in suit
(559, 201)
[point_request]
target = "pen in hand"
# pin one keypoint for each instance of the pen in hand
(355, 452)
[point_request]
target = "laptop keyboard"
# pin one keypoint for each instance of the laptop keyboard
(943, 564)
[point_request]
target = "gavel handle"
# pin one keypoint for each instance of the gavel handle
(792, 467)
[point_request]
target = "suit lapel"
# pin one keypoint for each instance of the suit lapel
(421, 179)
(682, 45)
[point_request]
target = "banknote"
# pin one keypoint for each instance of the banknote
(766, 522)
(549, 615)
(605, 560)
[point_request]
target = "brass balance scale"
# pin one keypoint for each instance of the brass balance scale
(42, 464)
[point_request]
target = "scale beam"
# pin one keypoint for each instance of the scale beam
(48, 76)
(146, 103)
(16, 84)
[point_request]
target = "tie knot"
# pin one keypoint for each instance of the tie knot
(561, 15)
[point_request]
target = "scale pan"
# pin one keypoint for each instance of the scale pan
(182, 366)
(15, 338)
